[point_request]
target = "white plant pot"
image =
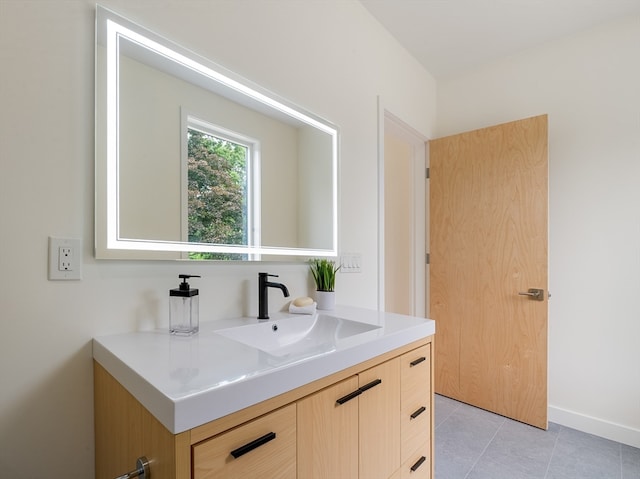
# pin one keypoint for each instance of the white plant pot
(326, 300)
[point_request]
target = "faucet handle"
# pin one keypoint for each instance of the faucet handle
(268, 274)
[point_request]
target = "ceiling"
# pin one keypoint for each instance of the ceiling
(452, 36)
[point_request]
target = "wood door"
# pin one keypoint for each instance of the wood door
(488, 224)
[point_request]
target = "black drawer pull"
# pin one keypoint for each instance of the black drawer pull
(415, 362)
(242, 450)
(349, 397)
(418, 412)
(370, 385)
(415, 467)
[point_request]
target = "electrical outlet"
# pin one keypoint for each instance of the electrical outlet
(65, 258)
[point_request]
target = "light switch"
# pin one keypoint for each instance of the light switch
(350, 262)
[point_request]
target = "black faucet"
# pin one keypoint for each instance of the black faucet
(263, 296)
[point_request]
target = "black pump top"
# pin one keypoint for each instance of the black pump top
(184, 286)
(184, 289)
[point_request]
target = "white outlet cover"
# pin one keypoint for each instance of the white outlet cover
(74, 272)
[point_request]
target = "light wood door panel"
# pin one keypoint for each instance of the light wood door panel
(488, 213)
(379, 424)
(328, 432)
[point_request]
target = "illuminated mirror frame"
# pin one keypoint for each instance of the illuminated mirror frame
(110, 28)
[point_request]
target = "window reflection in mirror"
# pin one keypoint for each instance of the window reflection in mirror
(219, 193)
(149, 93)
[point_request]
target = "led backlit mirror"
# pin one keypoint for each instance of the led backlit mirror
(193, 161)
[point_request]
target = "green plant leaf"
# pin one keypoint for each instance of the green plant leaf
(324, 273)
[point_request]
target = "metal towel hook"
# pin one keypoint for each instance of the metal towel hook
(141, 471)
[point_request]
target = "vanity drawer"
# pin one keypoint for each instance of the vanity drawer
(418, 464)
(262, 448)
(415, 400)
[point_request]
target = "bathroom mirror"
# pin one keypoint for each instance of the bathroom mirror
(195, 162)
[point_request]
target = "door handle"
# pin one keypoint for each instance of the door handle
(534, 293)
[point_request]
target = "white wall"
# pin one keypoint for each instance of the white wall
(330, 57)
(589, 85)
(315, 194)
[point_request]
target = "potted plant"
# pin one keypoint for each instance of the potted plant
(324, 274)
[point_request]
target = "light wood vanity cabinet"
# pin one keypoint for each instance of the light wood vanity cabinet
(354, 423)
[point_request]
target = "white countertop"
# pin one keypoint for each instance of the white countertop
(188, 381)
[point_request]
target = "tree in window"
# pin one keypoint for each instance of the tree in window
(217, 190)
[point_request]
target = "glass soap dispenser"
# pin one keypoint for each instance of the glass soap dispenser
(183, 308)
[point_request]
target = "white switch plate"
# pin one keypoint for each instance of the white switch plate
(65, 258)
(350, 262)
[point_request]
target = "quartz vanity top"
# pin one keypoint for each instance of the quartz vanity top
(188, 381)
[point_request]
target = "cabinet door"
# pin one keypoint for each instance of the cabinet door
(262, 448)
(416, 400)
(328, 432)
(379, 423)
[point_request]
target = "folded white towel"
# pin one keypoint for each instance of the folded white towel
(309, 309)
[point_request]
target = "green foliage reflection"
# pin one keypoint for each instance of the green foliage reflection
(217, 193)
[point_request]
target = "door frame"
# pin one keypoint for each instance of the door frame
(389, 122)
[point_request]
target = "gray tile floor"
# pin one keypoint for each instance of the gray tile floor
(474, 444)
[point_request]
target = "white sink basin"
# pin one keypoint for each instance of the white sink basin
(299, 336)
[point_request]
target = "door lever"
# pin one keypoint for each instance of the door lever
(534, 293)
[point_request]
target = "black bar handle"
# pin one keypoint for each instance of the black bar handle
(418, 412)
(370, 385)
(415, 362)
(242, 450)
(349, 397)
(358, 391)
(415, 467)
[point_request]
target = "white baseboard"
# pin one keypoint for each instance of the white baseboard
(595, 426)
